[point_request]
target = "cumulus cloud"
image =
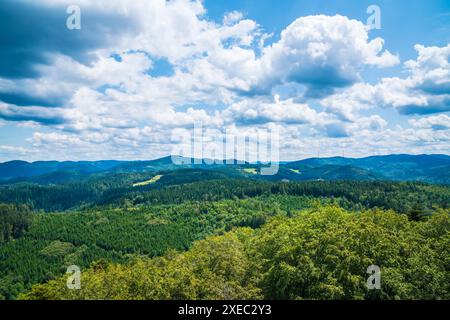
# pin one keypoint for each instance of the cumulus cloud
(323, 53)
(174, 30)
(431, 70)
(36, 114)
(26, 27)
(439, 122)
(257, 111)
(97, 89)
(427, 88)
(231, 17)
(346, 104)
(429, 80)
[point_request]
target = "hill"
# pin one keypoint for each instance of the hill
(426, 168)
(400, 167)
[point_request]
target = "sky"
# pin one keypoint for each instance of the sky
(137, 76)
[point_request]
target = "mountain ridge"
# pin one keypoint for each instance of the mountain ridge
(431, 168)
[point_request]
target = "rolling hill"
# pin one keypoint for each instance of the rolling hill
(402, 167)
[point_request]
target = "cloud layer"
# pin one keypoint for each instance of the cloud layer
(98, 92)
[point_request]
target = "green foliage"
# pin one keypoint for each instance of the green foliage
(402, 197)
(58, 249)
(324, 254)
(58, 240)
(317, 253)
(321, 253)
(216, 268)
(199, 185)
(14, 221)
(23, 263)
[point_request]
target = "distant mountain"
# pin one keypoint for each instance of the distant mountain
(429, 168)
(335, 172)
(402, 167)
(22, 169)
(56, 177)
(378, 161)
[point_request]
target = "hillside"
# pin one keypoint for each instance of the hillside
(427, 168)
(287, 258)
(113, 217)
(111, 220)
(392, 167)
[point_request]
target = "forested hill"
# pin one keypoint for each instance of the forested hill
(277, 245)
(124, 223)
(133, 189)
(431, 168)
(319, 253)
(427, 168)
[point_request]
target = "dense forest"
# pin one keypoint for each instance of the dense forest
(195, 234)
(199, 185)
(321, 253)
(57, 240)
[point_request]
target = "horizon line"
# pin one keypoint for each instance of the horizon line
(235, 159)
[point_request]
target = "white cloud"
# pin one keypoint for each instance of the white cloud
(232, 17)
(258, 111)
(346, 104)
(439, 122)
(425, 90)
(323, 53)
(224, 77)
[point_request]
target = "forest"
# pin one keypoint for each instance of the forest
(322, 253)
(210, 237)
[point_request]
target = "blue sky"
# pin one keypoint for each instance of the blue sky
(403, 21)
(141, 73)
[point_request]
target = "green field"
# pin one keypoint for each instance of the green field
(147, 182)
